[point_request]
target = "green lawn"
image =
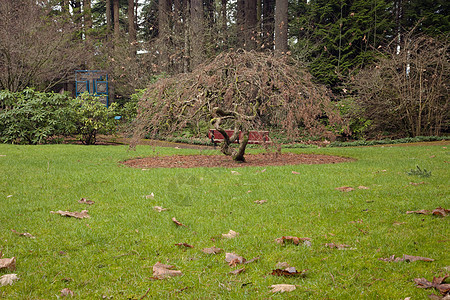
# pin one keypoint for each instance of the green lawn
(111, 254)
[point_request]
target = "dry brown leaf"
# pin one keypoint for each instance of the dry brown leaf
(361, 187)
(337, 246)
(293, 239)
(66, 292)
(344, 189)
(235, 173)
(405, 257)
(281, 288)
(151, 196)
(295, 173)
(260, 201)
(184, 245)
(398, 223)
(178, 223)
(422, 212)
(417, 183)
(212, 250)
(231, 234)
(234, 259)
(8, 263)
(25, 234)
(86, 201)
(288, 272)
(437, 283)
(78, 215)
(8, 279)
(282, 265)
(237, 271)
(162, 271)
(159, 208)
(442, 212)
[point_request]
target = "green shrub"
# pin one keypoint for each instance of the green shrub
(91, 117)
(31, 117)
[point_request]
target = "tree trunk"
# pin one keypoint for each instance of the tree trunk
(87, 18)
(108, 16)
(116, 20)
(131, 29)
(163, 33)
(239, 154)
(224, 25)
(268, 24)
(251, 22)
(281, 27)
(240, 24)
(197, 37)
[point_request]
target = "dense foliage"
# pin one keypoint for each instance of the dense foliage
(31, 117)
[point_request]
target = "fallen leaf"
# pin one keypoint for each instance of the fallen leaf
(282, 265)
(251, 260)
(293, 239)
(231, 234)
(25, 234)
(296, 173)
(8, 263)
(184, 244)
(78, 215)
(159, 208)
(260, 201)
(422, 212)
(405, 257)
(288, 272)
(281, 288)
(437, 283)
(237, 271)
(66, 292)
(235, 173)
(361, 187)
(337, 246)
(151, 196)
(86, 201)
(441, 212)
(162, 271)
(212, 250)
(178, 223)
(8, 279)
(398, 223)
(344, 189)
(9, 196)
(234, 259)
(417, 183)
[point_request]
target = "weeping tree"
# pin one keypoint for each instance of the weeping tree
(243, 91)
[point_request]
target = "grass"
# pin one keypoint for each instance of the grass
(111, 254)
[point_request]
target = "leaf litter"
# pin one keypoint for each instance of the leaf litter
(78, 215)
(405, 257)
(281, 288)
(437, 283)
(8, 279)
(186, 245)
(25, 234)
(212, 250)
(293, 239)
(178, 223)
(7, 263)
(162, 271)
(159, 208)
(442, 212)
(86, 201)
(233, 259)
(231, 234)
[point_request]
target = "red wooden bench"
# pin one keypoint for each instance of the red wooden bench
(254, 137)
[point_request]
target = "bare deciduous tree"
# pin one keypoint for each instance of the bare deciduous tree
(406, 92)
(36, 50)
(243, 91)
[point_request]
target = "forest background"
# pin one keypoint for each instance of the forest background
(385, 61)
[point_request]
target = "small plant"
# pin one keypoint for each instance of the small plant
(419, 172)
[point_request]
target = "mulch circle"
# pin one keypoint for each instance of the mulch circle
(252, 160)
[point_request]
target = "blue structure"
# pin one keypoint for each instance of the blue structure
(94, 82)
